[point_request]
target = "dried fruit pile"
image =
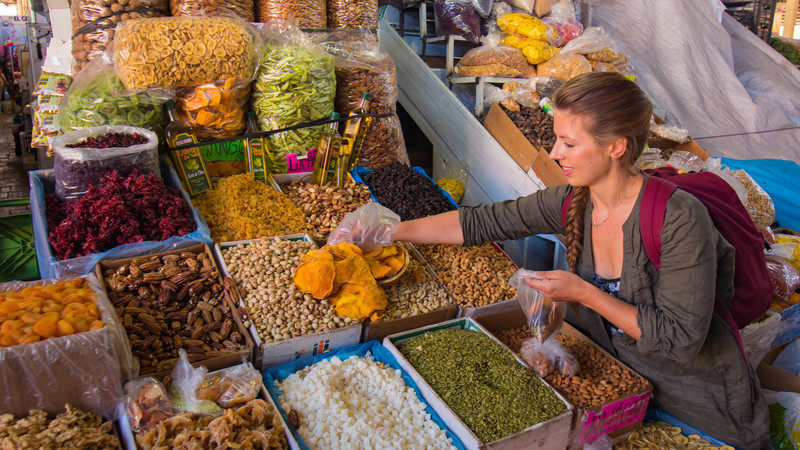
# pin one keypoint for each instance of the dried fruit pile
(119, 211)
(71, 429)
(170, 302)
(409, 194)
(42, 312)
(325, 206)
(110, 140)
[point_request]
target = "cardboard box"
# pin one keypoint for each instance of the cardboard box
(776, 379)
(618, 418)
(551, 434)
(129, 441)
(521, 150)
(215, 363)
(382, 328)
(268, 354)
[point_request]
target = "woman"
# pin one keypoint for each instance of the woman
(659, 322)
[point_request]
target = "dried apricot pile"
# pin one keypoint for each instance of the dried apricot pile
(42, 312)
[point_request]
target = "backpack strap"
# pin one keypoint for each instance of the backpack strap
(565, 208)
(652, 211)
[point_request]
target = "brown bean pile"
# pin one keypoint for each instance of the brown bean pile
(600, 380)
(325, 206)
(409, 194)
(535, 124)
(242, 8)
(171, 302)
(475, 276)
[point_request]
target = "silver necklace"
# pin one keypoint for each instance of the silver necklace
(600, 224)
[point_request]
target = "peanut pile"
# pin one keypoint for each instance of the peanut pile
(417, 292)
(325, 206)
(240, 208)
(475, 276)
(600, 380)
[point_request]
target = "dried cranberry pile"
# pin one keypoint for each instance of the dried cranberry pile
(111, 140)
(121, 210)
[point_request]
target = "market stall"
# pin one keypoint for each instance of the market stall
(190, 295)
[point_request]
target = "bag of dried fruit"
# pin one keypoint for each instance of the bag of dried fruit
(242, 8)
(295, 84)
(494, 60)
(543, 352)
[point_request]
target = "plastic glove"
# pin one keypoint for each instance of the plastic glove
(369, 227)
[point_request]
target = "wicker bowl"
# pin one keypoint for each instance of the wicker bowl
(396, 277)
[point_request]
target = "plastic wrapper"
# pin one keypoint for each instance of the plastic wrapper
(231, 387)
(353, 14)
(758, 204)
(545, 316)
(295, 84)
(52, 84)
(535, 51)
(499, 9)
(547, 87)
(369, 227)
(87, 369)
(784, 276)
(593, 39)
(686, 162)
(383, 143)
(564, 66)
(94, 24)
(184, 51)
(549, 356)
(243, 8)
(650, 159)
(366, 72)
(455, 176)
(527, 26)
(47, 103)
(493, 60)
(784, 412)
(483, 7)
(459, 18)
(758, 336)
(78, 168)
(562, 18)
(98, 97)
(787, 248)
(307, 13)
(714, 165)
(185, 382)
(767, 233)
(147, 404)
(214, 110)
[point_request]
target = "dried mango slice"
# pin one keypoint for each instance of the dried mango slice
(395, 262)
(316, 276)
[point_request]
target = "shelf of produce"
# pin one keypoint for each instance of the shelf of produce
(480, 84)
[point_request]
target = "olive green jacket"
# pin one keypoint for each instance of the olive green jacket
(687, 352)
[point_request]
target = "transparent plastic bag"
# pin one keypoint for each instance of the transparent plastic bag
(147, 404)
(593, 39)
(215, 110)
(549, 356)
(686, 162)
(383, 143)
(308, 13)
(493, 60)
(562, 18)
(242, 8)
(784, 276)
(353, 14)
(758, 204)
(369, 227)
(78, 168)
(209, 49)
(483, 7)
(768, 234)
(499, 9)
(545, 316)
(714, 165)
(785, 420)
(98, 97)
(455, 175)
(366, 71)
(787, 249)
(94, 24)
(650, 159)
(232, 386)
(185, 382)
(459, 18)
(295, 84)
(527, 26)
(564, 66)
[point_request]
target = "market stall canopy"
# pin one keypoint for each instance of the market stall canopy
(714, 78)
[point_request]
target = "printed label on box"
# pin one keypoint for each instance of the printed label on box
(319, 347)
(614, 416)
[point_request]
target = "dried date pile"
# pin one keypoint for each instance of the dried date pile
(119, 210)
(410, 195)
(71, 429)
(170, 302)
(535, 124)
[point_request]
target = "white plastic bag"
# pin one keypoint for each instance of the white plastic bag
(791, 418)
(714, 165)
(183, 392)
(593, 39)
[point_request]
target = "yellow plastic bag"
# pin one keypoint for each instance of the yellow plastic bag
(535, 51)
(527, 26)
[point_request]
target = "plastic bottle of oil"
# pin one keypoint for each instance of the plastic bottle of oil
(327, 154)
(188, 162)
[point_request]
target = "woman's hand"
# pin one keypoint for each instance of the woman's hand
(560, 285)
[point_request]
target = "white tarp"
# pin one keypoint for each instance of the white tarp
(711, 78)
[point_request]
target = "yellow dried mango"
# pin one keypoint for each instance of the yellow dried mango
(316, 276)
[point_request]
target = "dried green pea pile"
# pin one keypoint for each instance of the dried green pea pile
(481, 382)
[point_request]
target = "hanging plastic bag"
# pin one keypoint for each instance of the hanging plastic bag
(185, 382)
(758, 204)
(98, 97)
(562, 18)
(242, 8)
(232, 386)
(545, 316)
(147, 404)
(369, 227)
(459, 18)
(94, 24)
(214, 110)
(527, 26)
(454, 179)
(493, 60)
(549, 356)
(309, 14)
(295, 84)
(353, 14)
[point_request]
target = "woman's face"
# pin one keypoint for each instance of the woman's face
(583, 161)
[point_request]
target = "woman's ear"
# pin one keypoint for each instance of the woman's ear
(618, 147)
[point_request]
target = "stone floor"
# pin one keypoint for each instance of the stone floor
(13, 176)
